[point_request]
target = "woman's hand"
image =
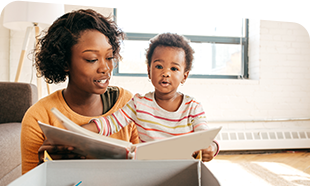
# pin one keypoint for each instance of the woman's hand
(57, 152)
(208, 153)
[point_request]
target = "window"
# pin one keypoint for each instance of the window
(220, 45)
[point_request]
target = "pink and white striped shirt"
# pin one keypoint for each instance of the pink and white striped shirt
(153, 122)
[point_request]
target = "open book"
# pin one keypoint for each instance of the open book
(93, 145)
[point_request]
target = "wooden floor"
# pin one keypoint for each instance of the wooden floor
(297, 159)
(291, 167)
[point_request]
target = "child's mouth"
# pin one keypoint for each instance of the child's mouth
(164, 83)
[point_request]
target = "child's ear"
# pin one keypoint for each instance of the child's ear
(148, 72)
(185, 76)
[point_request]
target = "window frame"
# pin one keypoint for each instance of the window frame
(199, 39)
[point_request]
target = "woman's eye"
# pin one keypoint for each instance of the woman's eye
(158, 67)
(110, 58)
(91, 60)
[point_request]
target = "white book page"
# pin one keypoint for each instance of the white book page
(178, 147)
(84, 145)
(70, 125)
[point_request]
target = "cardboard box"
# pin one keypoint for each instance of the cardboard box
(118, 172)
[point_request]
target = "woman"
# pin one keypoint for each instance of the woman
(82, 45)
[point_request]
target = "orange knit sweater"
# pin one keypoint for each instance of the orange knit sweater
(32, 137)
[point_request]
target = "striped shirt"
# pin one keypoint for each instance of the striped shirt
(153, 122)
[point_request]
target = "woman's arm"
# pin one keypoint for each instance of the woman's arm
(34, 143)
(31, 140)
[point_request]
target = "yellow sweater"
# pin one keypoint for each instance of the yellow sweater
(32, 137)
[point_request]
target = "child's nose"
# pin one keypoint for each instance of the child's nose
(166, 74)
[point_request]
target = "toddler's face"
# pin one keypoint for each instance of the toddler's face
(167, 69)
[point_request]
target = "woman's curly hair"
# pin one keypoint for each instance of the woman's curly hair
(53, 51)
(171, 40)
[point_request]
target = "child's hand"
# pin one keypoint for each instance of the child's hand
(208, 153)
(91, 126)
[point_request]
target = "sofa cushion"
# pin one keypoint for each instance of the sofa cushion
(11, 176)
(10, 150)
(15, 99)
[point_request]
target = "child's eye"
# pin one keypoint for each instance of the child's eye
(91, 60)
(174, 69)
(158, 67)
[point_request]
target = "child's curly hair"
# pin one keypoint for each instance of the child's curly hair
(171, 40)
(53, 53)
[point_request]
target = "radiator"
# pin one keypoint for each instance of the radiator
(264, 139)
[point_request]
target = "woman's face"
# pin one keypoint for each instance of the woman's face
(91, 63)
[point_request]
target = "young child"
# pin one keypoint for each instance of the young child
(164, 112)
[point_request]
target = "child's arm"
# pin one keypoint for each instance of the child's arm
(198, 116)
(199, 122)
(115, 122)
(91, 126)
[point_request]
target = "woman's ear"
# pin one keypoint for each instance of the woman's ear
(66, 67)
(185, 77)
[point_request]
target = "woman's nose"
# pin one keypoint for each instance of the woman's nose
(104, 67)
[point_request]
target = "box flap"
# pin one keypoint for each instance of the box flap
(207, 178)
(35, 177)
(117, 172)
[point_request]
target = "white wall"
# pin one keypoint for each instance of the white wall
(278, 88)
(4, 51)
(10, 50)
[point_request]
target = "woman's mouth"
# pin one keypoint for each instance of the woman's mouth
(101, 81)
